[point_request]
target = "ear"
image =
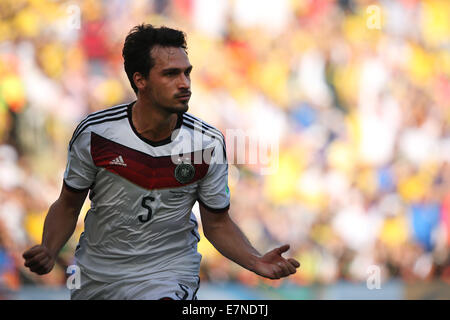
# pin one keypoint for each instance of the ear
(139, 81)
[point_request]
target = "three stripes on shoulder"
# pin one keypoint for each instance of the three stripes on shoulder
(111, 114)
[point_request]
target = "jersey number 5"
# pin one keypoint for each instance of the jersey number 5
(147, 216)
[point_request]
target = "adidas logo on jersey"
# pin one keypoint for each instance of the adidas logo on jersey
(118, 161)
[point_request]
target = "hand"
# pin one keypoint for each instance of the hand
(39, 259)
(273, 266)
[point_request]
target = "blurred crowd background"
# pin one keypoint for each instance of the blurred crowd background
(357, 93)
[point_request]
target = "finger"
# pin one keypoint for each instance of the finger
(282, 249)
(32, 251)
(37, 262)
(290, 267)
(39, 269)
(49, 267)
(294, 262)
(44, 268)
(38, 258)
(285, 271)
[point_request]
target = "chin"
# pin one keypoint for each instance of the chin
(180, 108)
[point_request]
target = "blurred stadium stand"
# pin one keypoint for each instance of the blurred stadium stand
(362, 116)
(340, 290)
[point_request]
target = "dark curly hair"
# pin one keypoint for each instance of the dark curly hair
(140, 41)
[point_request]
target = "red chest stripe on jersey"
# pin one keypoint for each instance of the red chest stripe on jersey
(140, 168)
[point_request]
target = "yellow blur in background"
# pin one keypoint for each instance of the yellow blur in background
(355, 95)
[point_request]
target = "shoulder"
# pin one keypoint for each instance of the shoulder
(195, 123)
(98, 118)
(210, 135)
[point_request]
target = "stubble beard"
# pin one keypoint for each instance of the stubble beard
(177, 109)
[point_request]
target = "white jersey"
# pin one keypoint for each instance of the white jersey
(140, 224)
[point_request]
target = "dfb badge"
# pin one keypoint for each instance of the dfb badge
(184, 172)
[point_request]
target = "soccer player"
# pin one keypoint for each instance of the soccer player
(144, 168)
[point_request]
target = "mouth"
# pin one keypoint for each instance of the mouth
(184, 97)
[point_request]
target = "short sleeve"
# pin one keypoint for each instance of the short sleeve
(214, 193)
(80, 169)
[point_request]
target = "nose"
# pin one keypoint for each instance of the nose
(184, 81)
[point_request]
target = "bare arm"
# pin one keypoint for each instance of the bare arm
(229, 240)
(59, 226)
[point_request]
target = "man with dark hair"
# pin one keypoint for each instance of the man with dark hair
(140, 237)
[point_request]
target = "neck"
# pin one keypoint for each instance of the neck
(151, 122)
